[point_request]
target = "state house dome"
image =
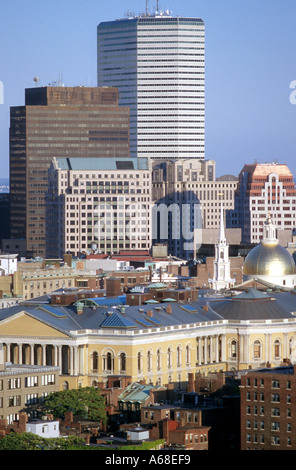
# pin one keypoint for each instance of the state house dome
(269, 260)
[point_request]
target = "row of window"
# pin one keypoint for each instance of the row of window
(261, 410)
(275, 440)
(108, 360)
(275, 397)
(16, 400)
(275, 383)
(26, 382)
(274, 425)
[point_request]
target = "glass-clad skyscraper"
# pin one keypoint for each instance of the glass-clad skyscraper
(158, 65)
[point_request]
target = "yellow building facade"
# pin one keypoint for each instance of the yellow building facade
(160, 344)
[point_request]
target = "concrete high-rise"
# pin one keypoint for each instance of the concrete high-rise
(157, 62)
(58, 122)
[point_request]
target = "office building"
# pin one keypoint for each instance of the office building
(55, 122)
(98, 202)
(264, 188)
(157, 62)
(187, 198)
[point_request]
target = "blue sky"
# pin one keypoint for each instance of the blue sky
(250, 63)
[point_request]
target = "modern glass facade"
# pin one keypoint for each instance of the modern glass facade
(158, 65)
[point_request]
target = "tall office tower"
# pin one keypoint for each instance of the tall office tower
(58, 122)
(264, 188)
(158, 65)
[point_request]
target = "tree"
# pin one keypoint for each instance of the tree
(87, 402)
(30, 441)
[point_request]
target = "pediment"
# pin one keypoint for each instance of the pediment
(23, 324)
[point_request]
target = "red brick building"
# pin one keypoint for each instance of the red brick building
(268, 409)
(180, 427)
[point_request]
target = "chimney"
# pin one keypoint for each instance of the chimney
(169, 309)
(79, 308)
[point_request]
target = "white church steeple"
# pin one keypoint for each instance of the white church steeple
(222, 279)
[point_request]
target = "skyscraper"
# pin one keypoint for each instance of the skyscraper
(157, 62)
(58, 122)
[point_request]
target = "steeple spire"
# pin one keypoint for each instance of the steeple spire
(222, 238)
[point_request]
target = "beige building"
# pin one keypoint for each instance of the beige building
(160, 343)
(193, 195)
(23, 385)
(98, 203)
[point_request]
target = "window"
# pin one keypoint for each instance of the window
(257, 350)
(169, 357)
(158, 359)
(277, 349)
(108, 362)
(95, 361)
(139, 359)
(122, 364)
(233, 349)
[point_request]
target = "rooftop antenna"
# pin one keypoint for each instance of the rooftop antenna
(147, 1)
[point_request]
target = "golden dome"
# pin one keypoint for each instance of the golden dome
(269, 260)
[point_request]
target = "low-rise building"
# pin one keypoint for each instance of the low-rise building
(24, 385)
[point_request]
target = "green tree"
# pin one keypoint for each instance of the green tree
(30, 441)
(87, 402)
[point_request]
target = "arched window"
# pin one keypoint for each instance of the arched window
(277, 349)
(169, 357)
(257, 350)
(187, 354)
(122, 362)
(139, 358)
(233, 349)
(95, 361)
(149, 360)
(178, 355)
(65, 385)
(158, 359)
(108, 362)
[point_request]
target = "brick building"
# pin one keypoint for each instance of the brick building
(180, 427)
(268, 409)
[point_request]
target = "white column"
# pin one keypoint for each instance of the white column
(223, 348)
(32, 354)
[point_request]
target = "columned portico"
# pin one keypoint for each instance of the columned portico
(65, 357)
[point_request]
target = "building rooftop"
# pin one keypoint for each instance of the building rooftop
(101, 163)
(156, 317)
